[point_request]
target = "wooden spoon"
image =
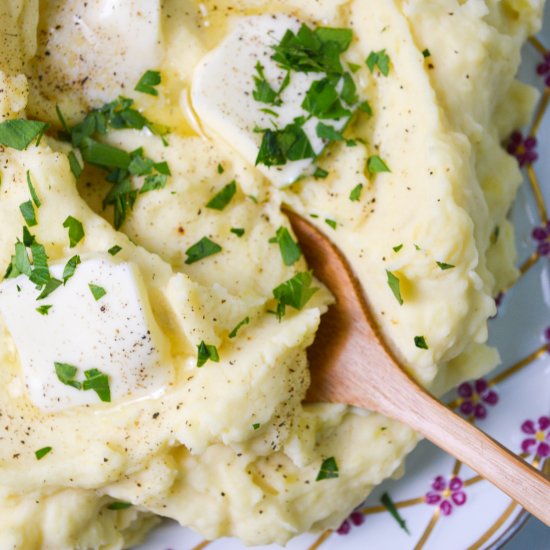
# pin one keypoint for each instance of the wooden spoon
(350, 364)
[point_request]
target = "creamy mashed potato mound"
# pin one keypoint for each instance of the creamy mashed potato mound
(229, 449)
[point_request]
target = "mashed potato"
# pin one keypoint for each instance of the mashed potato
(228, 448)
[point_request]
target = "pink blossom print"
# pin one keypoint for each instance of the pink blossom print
(538, 442)
(475, 398)
(446, 495)
(356, 519)
(524, 148)
(541, 235)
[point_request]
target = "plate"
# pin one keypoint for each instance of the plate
(443, 503)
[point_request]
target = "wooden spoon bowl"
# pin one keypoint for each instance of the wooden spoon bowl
(350, 364)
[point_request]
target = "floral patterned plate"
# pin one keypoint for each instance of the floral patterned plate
(441, 503)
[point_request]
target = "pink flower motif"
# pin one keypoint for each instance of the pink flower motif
(539, 441)
(542, 237)
(445, 495)
(355, 518)
(547, 338)
(543, 69)
(474, 398)
(523, 148)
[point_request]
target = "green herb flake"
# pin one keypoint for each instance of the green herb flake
(66, 374)
(234, 332)
(76, 230)
(331, 223)
(255, 426)
(379, 59)
(397, 248)
(426, 53)
(41, 453)
(290, 250)
(44, 310)
(52, 285)
(202, 249)
(365, 106)
(329, 133)
(97, 291)
(223, 198)
(444, 267)
(32, 191)
(264, 92)
(99, 382)
(395, 284)
(320, 173)
(20, 133)
(147, 83)
(328, 470)
(420, 342)
(239, 231)
(392, 509)
(221, 169)
(296, 293)
(375, 165)
(119, 505)
(206, 352)
(495, 236)
(322, 100)
(76, 169)
(70, 268)
(357, 191)
(114, 250)
(28, 213)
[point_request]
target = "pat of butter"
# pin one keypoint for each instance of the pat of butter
(116, 334)
(222, 96)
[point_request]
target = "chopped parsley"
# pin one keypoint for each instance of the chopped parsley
(397, 248)
(41, 453)
(32, 191)
(239, 231)
(147, 83)
(320, 173)
(375, 165)
(420, 342)
(395, 285)
(331, 223)
(296, 293)
(388, 503)
(263, 92)
(329, 133)
(19, 133)
(328, 470)
(98, 382)
(290, 250)
(323, 101)
(202, 249)
(426, 53)
(379, 59)
(28, 213)
(366, 107)
(255, 426)
(97, 291)
(221, 169)
(66, 374)
(52, 285)
(114, 250)
(206, 352)
(76, 230)
(234, 332)
(280, 146)
(70, 268)
(357, 191)
(223, 198)
(44, 310)
(444, 267)
(119, 505)
(76, 169)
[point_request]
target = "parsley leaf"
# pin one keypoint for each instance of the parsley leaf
(426, 53)
(379, 59)
(114, 250)
(263, 92)
(234, 332)
(28, 213)
(328, 470)
(66, 374)
(239, 231)
(76, 230)
(331, 223)
(202, 249)
(323, 100)
(366, 107)
(20, 133)
(32, 191)
(320, 173)
(392, 509)
(324, 131)
(355, 195)
(223, 198)
(397, 248)
(395, 284)
(44, 310)
(255, 426)
(52, 285)
(70, 268)
(76, 169)
(119, 505)
(290, 143)
(98, 382)
(41, 453)
(296, 292)
(97, 291)
(444, 267)
(147, 83)
(375, 165)
(290, 250)
(206, 352)
(420, 342)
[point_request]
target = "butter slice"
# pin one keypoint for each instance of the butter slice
(222, 97)
(116, 334)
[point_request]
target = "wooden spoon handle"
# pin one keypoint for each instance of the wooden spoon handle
(487, 457)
